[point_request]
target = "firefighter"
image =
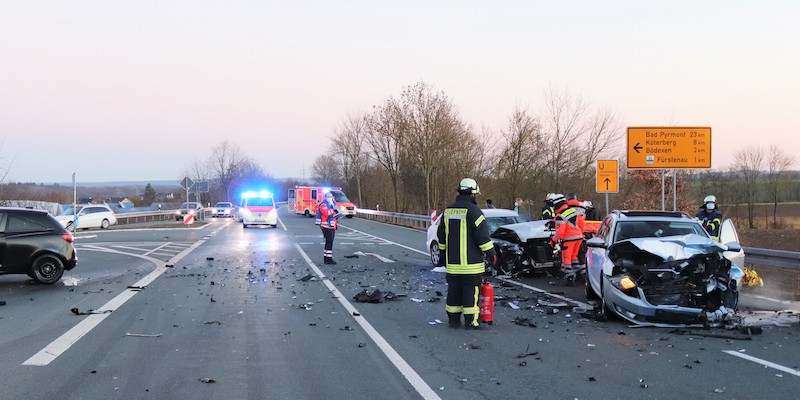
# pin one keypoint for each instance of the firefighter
(547, 211)
(591, 213)
(327, 214)
(710, 217)
(568, 236)
(463, 241)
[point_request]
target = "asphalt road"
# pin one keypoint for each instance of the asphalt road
(225, 312)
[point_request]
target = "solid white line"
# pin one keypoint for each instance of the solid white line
(535, 289)
(281, 222)
(65, 341)
(411, 376)
(763, 362)
(768, 299)
(387, 241)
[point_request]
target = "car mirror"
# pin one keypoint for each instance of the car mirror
(596, 243)
(734, 247)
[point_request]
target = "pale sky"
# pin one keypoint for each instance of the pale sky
(118, 91)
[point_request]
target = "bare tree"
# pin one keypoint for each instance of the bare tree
(432, 126)
(778, 162)
(520, 155)
(385, 137)
(350, 142)
(223, 163)
(325, 170)
(748, 162)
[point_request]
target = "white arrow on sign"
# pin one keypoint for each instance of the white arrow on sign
(379, 257)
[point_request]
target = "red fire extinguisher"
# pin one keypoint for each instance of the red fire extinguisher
(486, 303)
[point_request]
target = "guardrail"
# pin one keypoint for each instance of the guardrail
(124, 218)
(753, 255)
(772, 258)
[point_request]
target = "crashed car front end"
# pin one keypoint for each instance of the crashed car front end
(524, 247)
(673, 280)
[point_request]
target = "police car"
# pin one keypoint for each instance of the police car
(258, 209)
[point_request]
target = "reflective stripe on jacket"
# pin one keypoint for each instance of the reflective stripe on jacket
(464, 237)
(569, 225)
(327, 215)
(711, 221)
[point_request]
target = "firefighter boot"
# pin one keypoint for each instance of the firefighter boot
(471, 322)
(454, 320)
(329, 260)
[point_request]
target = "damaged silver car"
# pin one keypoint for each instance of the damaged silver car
(656, 267)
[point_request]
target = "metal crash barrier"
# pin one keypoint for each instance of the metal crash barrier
(421, 222)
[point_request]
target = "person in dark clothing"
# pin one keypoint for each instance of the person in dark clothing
(490, 204)
(710, 217)
(463, 236)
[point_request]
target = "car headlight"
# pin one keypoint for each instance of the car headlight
(177, 212)
(273, 212)
(245, 211)
(623, 282)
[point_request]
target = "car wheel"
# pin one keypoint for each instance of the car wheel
(307, 213)
(47, 269)
(105, 224)
(349, 216)
(602, 311)
(275, 226)
(435, 254)
(244, 226)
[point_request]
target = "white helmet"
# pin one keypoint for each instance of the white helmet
(558, 199)
(468, 185)
(550, 196)
(710, 199)
(588, 204)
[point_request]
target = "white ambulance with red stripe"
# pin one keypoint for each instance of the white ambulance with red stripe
(304, 200)
(258, 208)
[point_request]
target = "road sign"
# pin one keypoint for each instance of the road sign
(200, 187)
(607, 176)
(187, 183)
(669, 147)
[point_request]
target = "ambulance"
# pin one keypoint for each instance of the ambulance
(258, 208)
(304, 199)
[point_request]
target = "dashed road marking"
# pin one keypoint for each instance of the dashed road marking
(763, 362)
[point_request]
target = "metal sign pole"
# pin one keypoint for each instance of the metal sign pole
(606, 204)
(674, 190)
(662, 191)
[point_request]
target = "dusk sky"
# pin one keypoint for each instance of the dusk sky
(119, 91)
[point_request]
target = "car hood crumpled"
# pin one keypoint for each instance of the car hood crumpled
(529, 230)
(671, 248)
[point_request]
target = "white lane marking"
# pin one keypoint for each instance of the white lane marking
(379, 257)
(65, 341)
(387, 241)
(535, 289)
(345, 243)
(763, 362)
(128, 248)
(84, 237)
(411, 376)
(306, 243)
(281, 222)
(157, 249)
(768, 299)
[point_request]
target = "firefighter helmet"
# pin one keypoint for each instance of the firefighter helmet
(469, 186)
(710, 199)
(550, 196)
(558, 200)
(588, 204)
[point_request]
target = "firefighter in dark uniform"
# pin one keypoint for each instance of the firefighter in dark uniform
(548, 213)
(463, 240)
(710, 217)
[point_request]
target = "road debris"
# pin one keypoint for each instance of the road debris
(362, 345)
(352, 256)
(347, 328)
(2, 302)
(207, 380)
(376, 296)
(307, 278)
(527, 352)
(524, 321)
(213, 322)
(76, 311)
(71, 281)
(153, 335)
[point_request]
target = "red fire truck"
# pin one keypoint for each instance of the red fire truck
(304, 200)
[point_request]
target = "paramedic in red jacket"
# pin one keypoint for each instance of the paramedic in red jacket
(569, 233)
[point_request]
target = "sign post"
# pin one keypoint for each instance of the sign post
(669, 148)
(607, 178)
(187, 184)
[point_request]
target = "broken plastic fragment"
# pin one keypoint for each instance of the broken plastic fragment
(513, 305)
(416, 300)
(207, 380)
(71, 281)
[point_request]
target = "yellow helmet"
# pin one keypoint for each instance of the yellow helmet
(468, 185)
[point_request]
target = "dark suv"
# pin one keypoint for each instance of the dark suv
(32, 242)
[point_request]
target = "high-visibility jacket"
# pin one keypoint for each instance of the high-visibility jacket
(548, 212)
(464, 236)
(569, 224)
(711, 221)
(326, 214)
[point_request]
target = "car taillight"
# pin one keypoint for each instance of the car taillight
(67, 237)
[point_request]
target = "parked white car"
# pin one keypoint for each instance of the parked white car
(89, 216)
(222, 209)
(495, 217)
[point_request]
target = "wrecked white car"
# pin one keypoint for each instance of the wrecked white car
(655, 267)
(525, 247)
